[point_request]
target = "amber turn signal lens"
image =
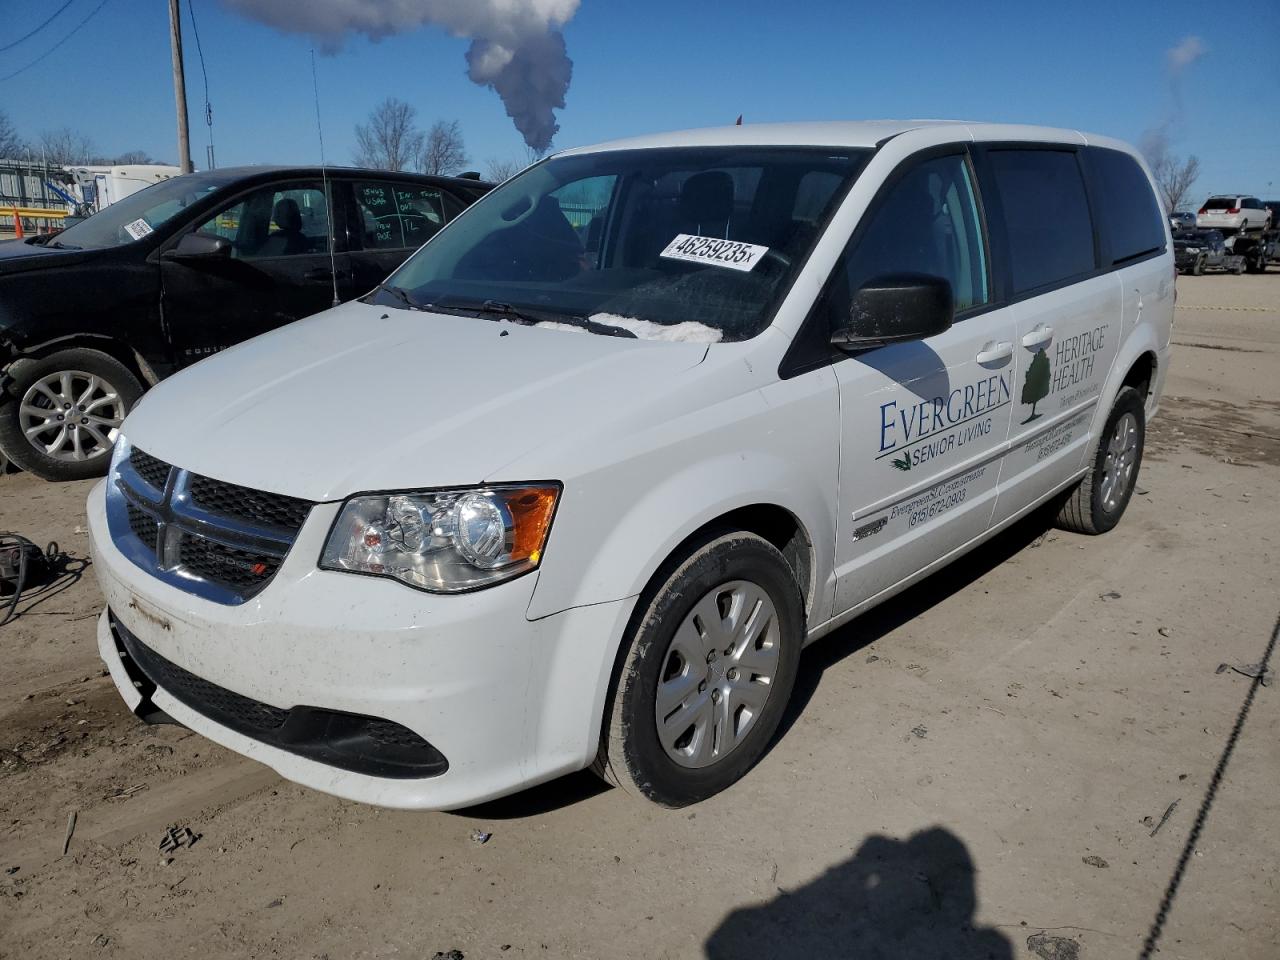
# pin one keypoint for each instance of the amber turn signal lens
(531, 511)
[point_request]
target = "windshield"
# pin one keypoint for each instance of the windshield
(139, 213)
(694, 243)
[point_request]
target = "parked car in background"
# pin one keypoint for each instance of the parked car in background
(1234, 212)
(1181, 220)
(1196, 251)
(180, 270)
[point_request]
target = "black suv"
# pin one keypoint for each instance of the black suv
(182, 269)
(1195, 251)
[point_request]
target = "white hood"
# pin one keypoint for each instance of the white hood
(367, 398)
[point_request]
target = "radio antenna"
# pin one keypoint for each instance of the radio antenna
(324, 176)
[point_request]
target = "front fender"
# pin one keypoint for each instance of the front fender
(777, 445)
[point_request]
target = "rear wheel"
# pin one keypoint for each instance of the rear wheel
(1099, 500)
(707, 672)
(63, 413)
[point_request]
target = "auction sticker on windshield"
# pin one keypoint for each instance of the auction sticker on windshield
(719, 253)
(138, 229)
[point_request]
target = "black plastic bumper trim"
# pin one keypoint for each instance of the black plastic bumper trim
(361, 744)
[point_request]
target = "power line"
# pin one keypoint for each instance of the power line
(208, 107)
(65, 37)
(10, 46)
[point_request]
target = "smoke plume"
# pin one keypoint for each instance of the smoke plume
(1155, 140)
(517, 48)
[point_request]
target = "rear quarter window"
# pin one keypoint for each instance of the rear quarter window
(1128, 212)
(1046, 216)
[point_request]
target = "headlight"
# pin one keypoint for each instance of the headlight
(446, 541)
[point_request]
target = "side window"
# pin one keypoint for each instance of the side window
(397, 215)
(584, 204)
(1129, 213)
(928, 223)
(1046, 215)
(273, 222)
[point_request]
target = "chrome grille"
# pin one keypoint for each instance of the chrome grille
(215, 539)
(152, 471)
(251, 506)
(143, 526)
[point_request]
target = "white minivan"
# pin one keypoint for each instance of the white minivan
(575, 484)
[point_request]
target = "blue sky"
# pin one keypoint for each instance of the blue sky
(642, 67)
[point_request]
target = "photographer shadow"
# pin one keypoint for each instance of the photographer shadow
(894, 900)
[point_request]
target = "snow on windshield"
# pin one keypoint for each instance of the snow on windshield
(689, 331)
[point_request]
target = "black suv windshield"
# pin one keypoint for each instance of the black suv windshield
(140, 213)
(689, 243)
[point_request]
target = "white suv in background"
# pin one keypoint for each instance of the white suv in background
(1234, 213)
(576, 483)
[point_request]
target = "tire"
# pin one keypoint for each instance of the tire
(66, 450)
(1096, 504)
(1239, 267)
(1197, 268)
(736, 572)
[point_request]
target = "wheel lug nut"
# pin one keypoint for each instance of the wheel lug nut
(61, 418)
(711, 656)
(733, 673)
(715, 696)
(702, 687)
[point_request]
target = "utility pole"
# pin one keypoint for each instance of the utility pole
(179, 87)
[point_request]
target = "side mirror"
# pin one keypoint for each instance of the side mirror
(894, 309)
(200, 246)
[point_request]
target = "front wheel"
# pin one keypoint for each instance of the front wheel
(1098, 502)
(64, 411)
(708, 667)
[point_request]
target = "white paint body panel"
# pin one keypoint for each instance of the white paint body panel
(651, 441)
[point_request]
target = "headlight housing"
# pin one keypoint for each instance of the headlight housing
(445, 541)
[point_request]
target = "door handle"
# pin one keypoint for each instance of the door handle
(1038, 337)
(993, 351)
(322, 273)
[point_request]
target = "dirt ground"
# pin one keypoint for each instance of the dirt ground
(1007, 761)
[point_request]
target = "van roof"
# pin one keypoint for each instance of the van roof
(844, 133)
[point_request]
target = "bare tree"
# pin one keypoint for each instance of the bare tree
(10, 142)
(1175, 177)
(66, 147)
(391, 139)
(443, 152)
(499, 170)
(134, 156)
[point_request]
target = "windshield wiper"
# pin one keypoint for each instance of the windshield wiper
(402, 295)
(534, 315)
(61, 246)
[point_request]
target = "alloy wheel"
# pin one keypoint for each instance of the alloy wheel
(1120, 460)
(71, 415)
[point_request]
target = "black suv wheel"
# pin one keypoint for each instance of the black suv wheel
(61, 414)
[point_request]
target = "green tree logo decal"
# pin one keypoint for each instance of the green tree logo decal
(1036, 387)
(903, 462)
